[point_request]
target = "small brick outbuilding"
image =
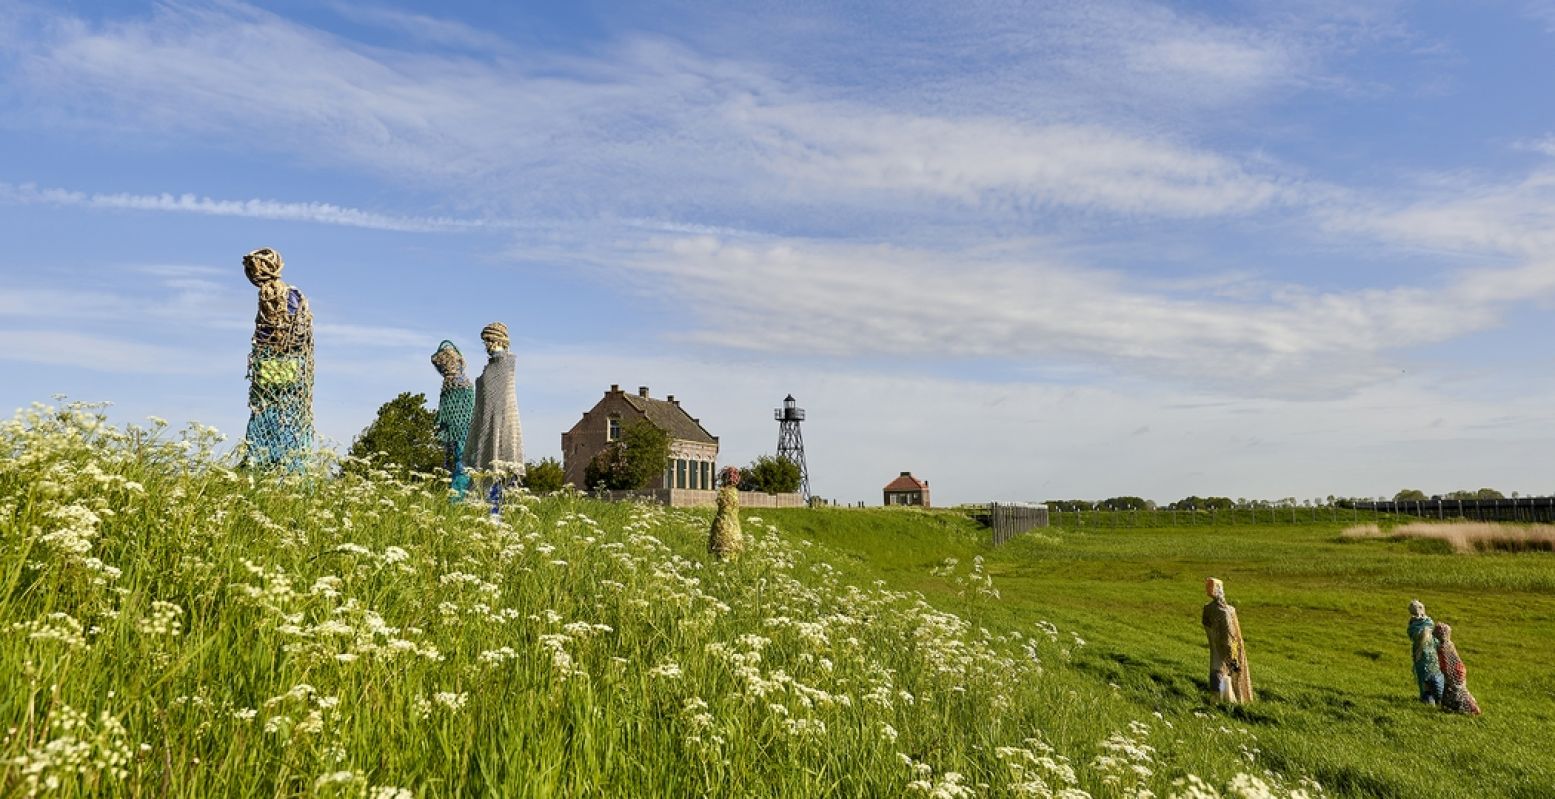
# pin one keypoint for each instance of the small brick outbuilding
(907, 490)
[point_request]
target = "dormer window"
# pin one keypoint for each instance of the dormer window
(613, 431)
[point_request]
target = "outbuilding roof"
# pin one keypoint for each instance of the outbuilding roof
(906, 482)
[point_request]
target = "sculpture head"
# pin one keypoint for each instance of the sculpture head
(1442, 631)
(262, 266)
(1416, 609)
(448, 360)
(1214, 588)
(495, 336)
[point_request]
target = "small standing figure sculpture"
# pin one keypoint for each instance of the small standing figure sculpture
(725, 541)
(1455, 690)
(1428, 673)
(1229, 677)
(455, 408)
(280, 369)
(495, 443)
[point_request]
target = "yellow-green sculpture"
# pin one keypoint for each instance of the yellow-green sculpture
(280, 369)
(725, 539)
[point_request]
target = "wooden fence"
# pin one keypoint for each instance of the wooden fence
(1008, 521)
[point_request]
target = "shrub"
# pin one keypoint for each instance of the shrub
(632, 463)
(544, 476)
(770, 474)
(405, 432)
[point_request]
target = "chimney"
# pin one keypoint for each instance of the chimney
(615, 388)
(671, 398)
(642, 391)
(907, 474)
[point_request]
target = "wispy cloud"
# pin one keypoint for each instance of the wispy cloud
(1512, 218)
(421, 27)
(1010, 305)
(626, 131)
(315, 212)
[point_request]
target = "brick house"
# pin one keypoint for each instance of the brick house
(693, 451)
(907, 490)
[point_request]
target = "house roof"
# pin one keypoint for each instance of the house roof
(671, 418)
(906, 482)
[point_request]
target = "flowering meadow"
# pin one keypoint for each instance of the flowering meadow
(175, 626)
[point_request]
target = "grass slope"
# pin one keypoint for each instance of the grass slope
(1324, 620)
(172, 627)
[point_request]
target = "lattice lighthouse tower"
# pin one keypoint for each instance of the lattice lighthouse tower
(791, 440)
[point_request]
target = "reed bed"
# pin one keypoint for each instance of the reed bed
(1466, 536)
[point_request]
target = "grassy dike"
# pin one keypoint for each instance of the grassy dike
(1324, 619)
(174, 627)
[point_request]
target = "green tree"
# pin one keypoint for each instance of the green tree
(405, 432)
(545, 476)
(1410, 495)
(632, 463)
(770, 474)
(1125, 503)
(1202, 503)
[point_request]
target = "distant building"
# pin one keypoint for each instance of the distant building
(907, 490)
(693, 450)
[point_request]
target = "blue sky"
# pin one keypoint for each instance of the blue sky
(1023, 250)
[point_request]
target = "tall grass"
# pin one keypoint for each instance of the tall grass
(1466, 536)
(176, 627)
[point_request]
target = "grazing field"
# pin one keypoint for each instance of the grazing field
(1324, 618)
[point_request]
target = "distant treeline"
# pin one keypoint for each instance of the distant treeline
(1226, 503)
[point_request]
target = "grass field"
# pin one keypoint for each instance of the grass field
(1324, 619)
(171, 626)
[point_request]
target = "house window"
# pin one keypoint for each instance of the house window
(707, 475)
(680, 473)
(613, 432)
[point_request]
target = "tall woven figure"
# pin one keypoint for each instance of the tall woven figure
(280, 369)
(455, 408)
(496, 441)
(725, 540)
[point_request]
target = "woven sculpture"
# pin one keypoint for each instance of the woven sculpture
(725, 540)
(455, 409)
(496, 441)
(280, 369)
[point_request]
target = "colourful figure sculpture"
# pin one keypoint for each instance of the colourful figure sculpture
(280, 369)
(1455, 678)
(495, 444)
(725, 540)
(1229, 677)
(1428, 673)
(455, 408)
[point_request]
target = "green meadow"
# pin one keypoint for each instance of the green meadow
(173, 626)
(1324, 620)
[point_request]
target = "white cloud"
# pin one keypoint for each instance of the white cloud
(1512, 219)
(434, 30)
(810, 298)
(321, 213)
(991, 163)
(624, 131)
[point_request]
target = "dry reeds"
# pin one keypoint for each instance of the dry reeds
(1466, 536)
